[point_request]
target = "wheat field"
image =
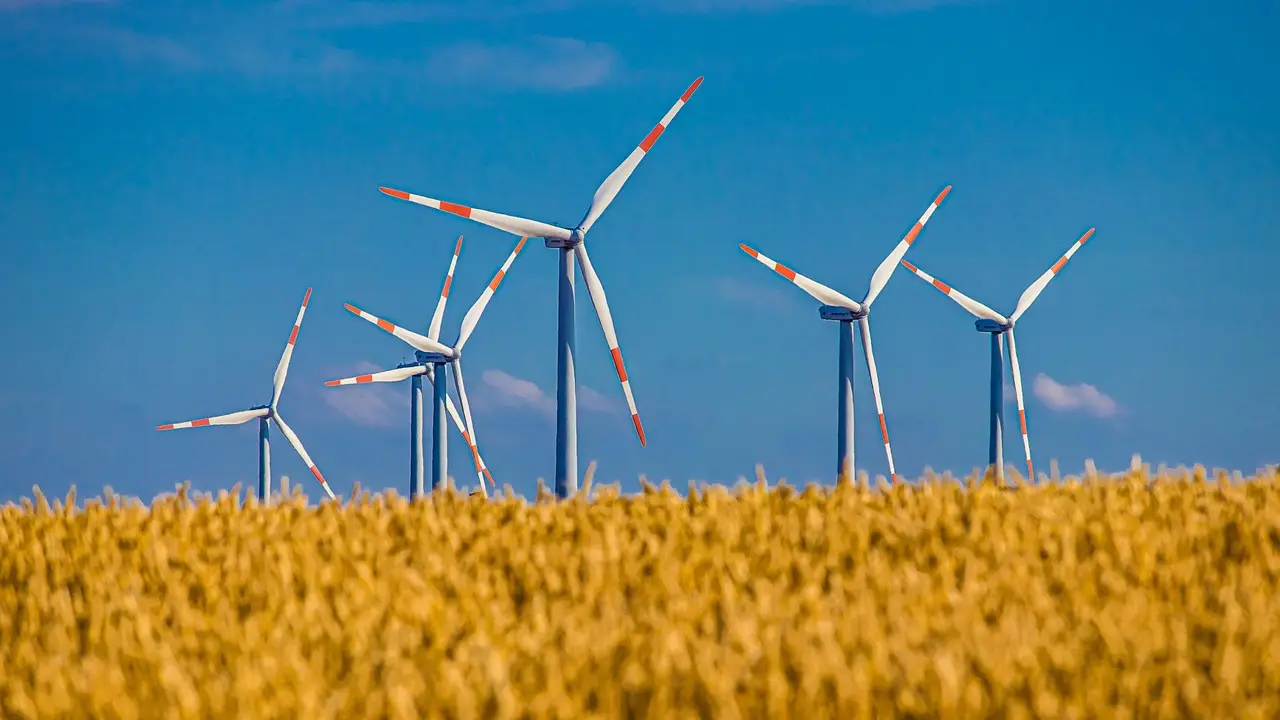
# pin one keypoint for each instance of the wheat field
(1144, 595)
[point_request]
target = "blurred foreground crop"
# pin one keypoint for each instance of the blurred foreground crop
(1076, 599)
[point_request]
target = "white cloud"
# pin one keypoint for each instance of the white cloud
(378, 405)
(757, 294)
(542, 63)
(503, 389)
(1066, 398)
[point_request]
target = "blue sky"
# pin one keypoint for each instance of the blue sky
(176, 176)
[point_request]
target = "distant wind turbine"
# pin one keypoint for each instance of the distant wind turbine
(430, 352)
(265, 413)
(838, 307)
(997, 325)
(571, 243)
(415, 370)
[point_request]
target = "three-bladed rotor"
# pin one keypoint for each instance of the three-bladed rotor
(1006, 324)
(575, 237)
(271, 411)
(453, 355)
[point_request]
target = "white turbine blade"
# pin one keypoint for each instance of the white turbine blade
(1022, 412)
(865, 326)
(1031, 293)
(434, 331)
(457, 421)
(885, 271)
(601, 304)
(282, 370)
(473, 315)
(974, 307)
(302, 452)
(609, 189)
(510, 223)
(395, 375)
(420, 342)
(816, 290)
(235, 418)
(466, 413)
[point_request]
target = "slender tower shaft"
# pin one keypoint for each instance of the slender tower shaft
(996, 455)
(264, 460)
(439, 436)
(416, 461)
(844, 433)
(566, 483)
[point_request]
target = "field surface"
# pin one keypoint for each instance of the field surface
(1135, 596)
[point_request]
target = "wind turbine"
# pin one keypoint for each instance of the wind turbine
(434, 355)
(265, 413)
(415, 370)
(997, 325)
(840, 308)
(571, 243)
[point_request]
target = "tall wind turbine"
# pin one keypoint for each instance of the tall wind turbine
(991, 322)
(571, 243)
(840, 308)
(415, 370)
(265, 413)
(433, 356)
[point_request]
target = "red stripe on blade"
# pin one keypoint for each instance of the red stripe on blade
(652, 137)
(460, 210)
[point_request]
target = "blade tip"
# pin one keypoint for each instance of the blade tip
(164, 427)
(692, 89)
(398, 194)
(351, 308)
(331, 383)
(942, 195)
(306, 298)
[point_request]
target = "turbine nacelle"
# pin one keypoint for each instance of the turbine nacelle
(577, 235)
(429, 358)
(840, 313)
(984, 325)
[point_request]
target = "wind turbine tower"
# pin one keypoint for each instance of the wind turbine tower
(432, 357)
(840, 308)
(998, 326)
(427, 364)
(571, 242)
(264, 414)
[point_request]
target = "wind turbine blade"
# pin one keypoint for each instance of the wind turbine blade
(510, 223)
(1033, 291)
(466, 413)
(601, 304)
(609, 189)
(292, 437)
(865, 327)
(453, 413)
(473, 315)
(885, 271)
(974, 307)
(1022, 413)
(420, 342)
(282, 370)
(816, 290)
(395, 375)
(434, 331)
(235, 418)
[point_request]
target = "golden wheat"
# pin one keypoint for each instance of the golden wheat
(1151, 596)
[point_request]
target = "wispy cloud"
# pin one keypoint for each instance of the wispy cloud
(324, 38)
(16, 5)
(1079, 397)
(756, 294)
(543, 63)
(375, 405)
(506, 390)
